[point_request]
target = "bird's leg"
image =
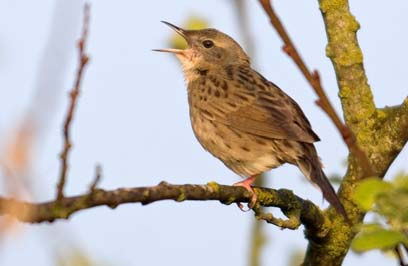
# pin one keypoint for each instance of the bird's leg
(247, 185)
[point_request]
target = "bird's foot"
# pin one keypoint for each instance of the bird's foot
(247, 185)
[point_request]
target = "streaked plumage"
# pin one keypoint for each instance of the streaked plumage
(242, 118)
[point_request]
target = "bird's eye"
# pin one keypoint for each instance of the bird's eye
(208, 43)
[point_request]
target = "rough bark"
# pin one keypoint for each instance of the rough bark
(381, 133)
(308, 214)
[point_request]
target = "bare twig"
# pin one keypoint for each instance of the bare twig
(314, 80)
(83, 60)
(97, 179)
(309, 214)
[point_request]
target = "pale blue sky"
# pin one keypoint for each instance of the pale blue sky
(133, 119)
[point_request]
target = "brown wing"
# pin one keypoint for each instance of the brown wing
(265, 110)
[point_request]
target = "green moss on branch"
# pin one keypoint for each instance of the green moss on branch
(309, 214)
(380, 133)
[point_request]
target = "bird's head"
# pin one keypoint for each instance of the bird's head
(207, 49)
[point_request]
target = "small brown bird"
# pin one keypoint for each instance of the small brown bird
(240, 117)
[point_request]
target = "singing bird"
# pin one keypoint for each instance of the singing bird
(240, 117)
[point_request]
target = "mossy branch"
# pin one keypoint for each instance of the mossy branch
(309, 214)
(395, 129)
(360, 115)
(347, 58)
(381, 133)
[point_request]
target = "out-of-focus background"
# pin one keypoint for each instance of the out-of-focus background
(133, 119)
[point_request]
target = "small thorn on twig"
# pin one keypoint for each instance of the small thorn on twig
(347, 135)
(97, 179)
(85, 60)
(320, 103)
(288, 50)
(316, 75)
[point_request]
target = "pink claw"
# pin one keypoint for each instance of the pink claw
(247, 185)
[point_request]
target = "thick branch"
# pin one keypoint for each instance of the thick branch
(310, 214)
(380, 134)
(345, 53)
(394, 131)
(361, 115)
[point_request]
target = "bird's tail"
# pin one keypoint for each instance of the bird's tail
(311, 168)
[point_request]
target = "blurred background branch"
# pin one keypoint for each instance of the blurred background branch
(19, 144)
(258, 237)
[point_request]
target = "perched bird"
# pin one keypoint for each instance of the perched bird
(240, 117)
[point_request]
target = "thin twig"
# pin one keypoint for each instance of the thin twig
(292, 223)
(83, 60)
(97, 179)
(314, 80)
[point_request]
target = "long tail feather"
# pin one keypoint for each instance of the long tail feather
(311, 168)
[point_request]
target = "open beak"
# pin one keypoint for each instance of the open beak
(181, 32)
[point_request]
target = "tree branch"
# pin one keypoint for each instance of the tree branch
(345, 53)
(393, 131)
(360, 112)
(83, 60)
(368, 124)
(382, 134)
(309, 214)
(314, 80)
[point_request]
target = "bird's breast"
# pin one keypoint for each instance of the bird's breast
(245, 154)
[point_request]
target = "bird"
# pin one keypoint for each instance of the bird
(243, 119)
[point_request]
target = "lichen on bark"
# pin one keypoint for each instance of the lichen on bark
(381, 133)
